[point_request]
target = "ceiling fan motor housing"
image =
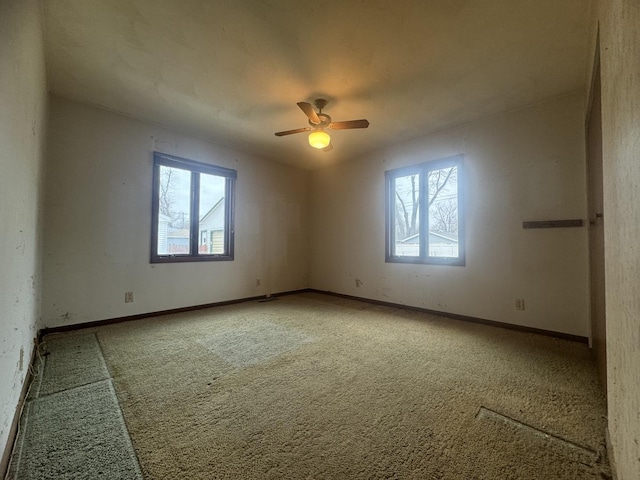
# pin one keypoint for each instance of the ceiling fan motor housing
(325, 120)
(320, 103)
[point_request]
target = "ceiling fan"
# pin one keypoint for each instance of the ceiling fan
(319, 122)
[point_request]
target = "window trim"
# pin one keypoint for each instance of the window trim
(423, 169)
(163, 159)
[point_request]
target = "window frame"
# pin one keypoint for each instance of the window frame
(195, 169)
(423, 170)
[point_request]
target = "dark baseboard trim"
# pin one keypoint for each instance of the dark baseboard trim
(109, 321)
(13, 430)
(466, 318)
(492, 323)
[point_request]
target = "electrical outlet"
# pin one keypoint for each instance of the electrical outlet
(258, 282)
(128, 297)
(519, 303)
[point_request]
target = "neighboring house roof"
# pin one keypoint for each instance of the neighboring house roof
(411, 239)
(449, 237)
(210, 212)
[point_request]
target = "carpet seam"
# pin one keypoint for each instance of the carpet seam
(68, 389)
(121, 413)
(555, 437)
(44, 366)
(104, 362)
(125, 431)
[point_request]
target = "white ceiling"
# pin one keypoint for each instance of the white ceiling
(232, 71)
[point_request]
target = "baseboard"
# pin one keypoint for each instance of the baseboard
(13, 430)
(466, 318)
(610, 455)
(109, 321)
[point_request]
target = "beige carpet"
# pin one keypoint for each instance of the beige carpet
(311, 386)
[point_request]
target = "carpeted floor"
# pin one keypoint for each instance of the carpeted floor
(311, 386)
(72, 425)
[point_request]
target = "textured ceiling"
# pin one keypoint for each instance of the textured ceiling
(232, 71)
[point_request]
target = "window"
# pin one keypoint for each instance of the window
(192, 211)
(424, 213)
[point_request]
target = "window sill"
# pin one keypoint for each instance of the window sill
(190, 258)
(454, 262)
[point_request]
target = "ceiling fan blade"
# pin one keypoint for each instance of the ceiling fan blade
(349, 124)
(290, 132)
(309, 112)
(328, 148)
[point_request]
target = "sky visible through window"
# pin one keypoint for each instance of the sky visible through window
(211, 191)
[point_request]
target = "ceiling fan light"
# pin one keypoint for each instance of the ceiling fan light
(319, 139)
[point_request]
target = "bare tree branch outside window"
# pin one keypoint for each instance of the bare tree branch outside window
(167, 185)
(442, 205)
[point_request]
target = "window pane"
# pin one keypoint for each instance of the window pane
(173, 215)
(212, 215)
(406, 205)
(443, 212)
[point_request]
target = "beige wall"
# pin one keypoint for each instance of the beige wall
(98, 222)
(22, 119)
(523, 165)
(620, 54)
